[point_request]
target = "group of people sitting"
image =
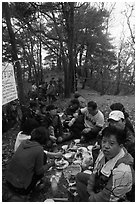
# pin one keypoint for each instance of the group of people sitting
(42, 129)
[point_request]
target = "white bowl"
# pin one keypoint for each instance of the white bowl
(87, 172)
(49, 200)
(68, 155)
(64, 147)
(77, 141)
(82, 149)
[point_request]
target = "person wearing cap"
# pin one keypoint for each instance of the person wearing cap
(117, 119)
(53, 123)
(120, 107)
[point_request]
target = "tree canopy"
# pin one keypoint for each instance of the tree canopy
(74, 38)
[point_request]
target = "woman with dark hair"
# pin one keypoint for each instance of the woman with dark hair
(25, 131)
(27, 166)
(113, 174)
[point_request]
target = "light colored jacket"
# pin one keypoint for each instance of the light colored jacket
(119, 175)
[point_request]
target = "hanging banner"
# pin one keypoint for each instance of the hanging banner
(9, 89)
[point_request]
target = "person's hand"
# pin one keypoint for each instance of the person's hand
(95, 147)
(58, 154)
(86, 130)
(53, 138)
(75, 115)
(60, 139)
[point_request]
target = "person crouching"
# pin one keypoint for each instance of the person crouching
(27, 166)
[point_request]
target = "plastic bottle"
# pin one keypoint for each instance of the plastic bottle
(54, 184)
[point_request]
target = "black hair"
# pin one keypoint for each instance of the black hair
(92, 104)
(76, 95)
(108, 131)
(28, 126)
(120, 107)
(40, 135)
(74, 101)
(117, 106)
(50, 107)
(33, 104)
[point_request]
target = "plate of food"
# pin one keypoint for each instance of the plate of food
(77, 141)
(82, 149)
(61, 164)
(69, 155)
(64, 147)
(73, 148)
(78, 161)
(80, 153)
(72, 170)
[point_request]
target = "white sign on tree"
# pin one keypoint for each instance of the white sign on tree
(9, 90)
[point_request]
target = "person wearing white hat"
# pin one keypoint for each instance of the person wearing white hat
(116, 119)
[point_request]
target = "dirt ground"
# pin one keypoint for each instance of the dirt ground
(8, 138)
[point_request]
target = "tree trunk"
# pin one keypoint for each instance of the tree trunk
(68, 14)
(118, 80)
(21, 95)
(71, 45)
(40, 62)
(64, 61)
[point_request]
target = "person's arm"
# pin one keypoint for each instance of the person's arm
(91, 183)
(39, 167)
(53, 154)
(83, 110)
(119, 183)
(95, 129)
(60, 126)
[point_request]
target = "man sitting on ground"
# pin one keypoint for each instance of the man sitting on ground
(94, 121)
(113, 174)
(52, 122)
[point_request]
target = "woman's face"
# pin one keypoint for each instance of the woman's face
(110, 146)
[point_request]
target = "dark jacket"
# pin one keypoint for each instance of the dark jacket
(27, 161)
(55, 122)
(129, 141)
